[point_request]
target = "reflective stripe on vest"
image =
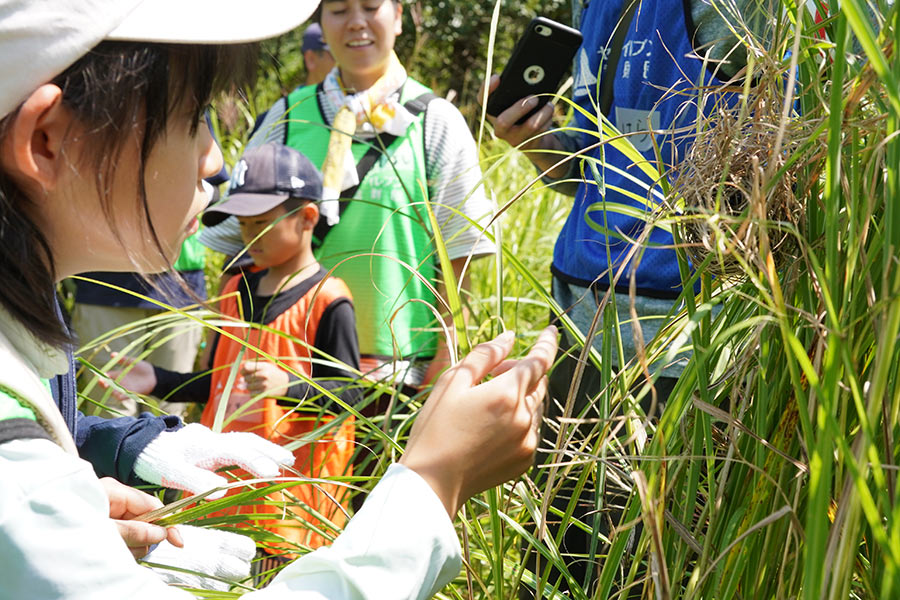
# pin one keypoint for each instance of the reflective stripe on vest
(384, 225)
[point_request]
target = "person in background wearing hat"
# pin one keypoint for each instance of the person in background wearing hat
(295, 312)
(386, 146)
(317, 58)
(318, 62)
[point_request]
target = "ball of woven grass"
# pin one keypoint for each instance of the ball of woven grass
(736, 189)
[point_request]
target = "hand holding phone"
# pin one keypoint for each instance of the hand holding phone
(539, 61)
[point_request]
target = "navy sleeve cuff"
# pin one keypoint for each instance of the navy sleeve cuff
(113, 445)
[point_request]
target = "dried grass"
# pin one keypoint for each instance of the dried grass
(735, 187)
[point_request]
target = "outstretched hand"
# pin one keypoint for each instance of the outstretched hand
(126, 503)
(472, 435)
(135, 376)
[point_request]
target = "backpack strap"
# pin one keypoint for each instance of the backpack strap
(419, 104)
(379, 145)
(615, 51)
(23, 384)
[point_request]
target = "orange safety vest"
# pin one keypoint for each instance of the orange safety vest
(328, 456)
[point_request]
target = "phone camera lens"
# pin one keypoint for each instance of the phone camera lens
(542, 30)
(534, 74)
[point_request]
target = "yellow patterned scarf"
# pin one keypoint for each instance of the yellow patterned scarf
(372, 111)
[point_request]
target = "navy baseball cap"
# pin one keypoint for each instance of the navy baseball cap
(265, 177)
(312, 39)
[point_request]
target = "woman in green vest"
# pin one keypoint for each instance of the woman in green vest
(403, 148)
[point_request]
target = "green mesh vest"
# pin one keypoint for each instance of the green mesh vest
(385, 222)
(192, 256)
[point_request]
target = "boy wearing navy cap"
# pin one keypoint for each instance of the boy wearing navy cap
(286, 297)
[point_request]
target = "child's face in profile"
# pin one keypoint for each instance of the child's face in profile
(176, 199)
(68, 197)
(273, 237)
(173, 175)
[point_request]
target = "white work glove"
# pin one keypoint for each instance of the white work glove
(185, 459)
(207, 552)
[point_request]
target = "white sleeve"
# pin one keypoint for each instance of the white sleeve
(56, 538)
(224, 237)
(455, 181)
(57, 542)
(400, 546)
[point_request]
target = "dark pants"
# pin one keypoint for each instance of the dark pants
(600, 510)
(265, 566)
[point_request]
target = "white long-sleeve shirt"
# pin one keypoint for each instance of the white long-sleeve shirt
(57, 542)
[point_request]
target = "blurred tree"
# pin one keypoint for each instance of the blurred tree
(445, 44)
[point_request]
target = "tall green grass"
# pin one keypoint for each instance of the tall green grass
(771, 472)
(772, 469)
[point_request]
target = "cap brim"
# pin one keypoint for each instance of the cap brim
(242, 205)
(225, 237)
(212, 21)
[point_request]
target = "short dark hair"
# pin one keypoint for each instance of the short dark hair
(292, 205)
(115, 89)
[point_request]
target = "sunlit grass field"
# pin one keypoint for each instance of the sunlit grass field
(771, 470)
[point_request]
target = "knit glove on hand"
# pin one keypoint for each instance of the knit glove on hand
(185, 459)
(207, 552)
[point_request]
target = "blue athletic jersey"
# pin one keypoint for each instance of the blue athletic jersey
(657, 77)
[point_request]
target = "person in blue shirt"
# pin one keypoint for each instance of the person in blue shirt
(609, 240)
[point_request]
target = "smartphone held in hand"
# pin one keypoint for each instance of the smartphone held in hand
(542, 56)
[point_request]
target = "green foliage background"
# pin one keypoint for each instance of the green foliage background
(444, 45)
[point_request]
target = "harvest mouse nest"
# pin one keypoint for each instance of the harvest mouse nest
(736, 188)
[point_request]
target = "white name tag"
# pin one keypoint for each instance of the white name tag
(637, 124)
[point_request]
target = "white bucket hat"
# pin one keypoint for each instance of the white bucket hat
(40, 38)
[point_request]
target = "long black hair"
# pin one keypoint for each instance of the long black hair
(114, 90)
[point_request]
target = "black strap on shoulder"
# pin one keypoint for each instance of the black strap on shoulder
(320, 95)
(419, 104)
(22, 429)
(379, 145)
(320, 92)
(615, 51)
